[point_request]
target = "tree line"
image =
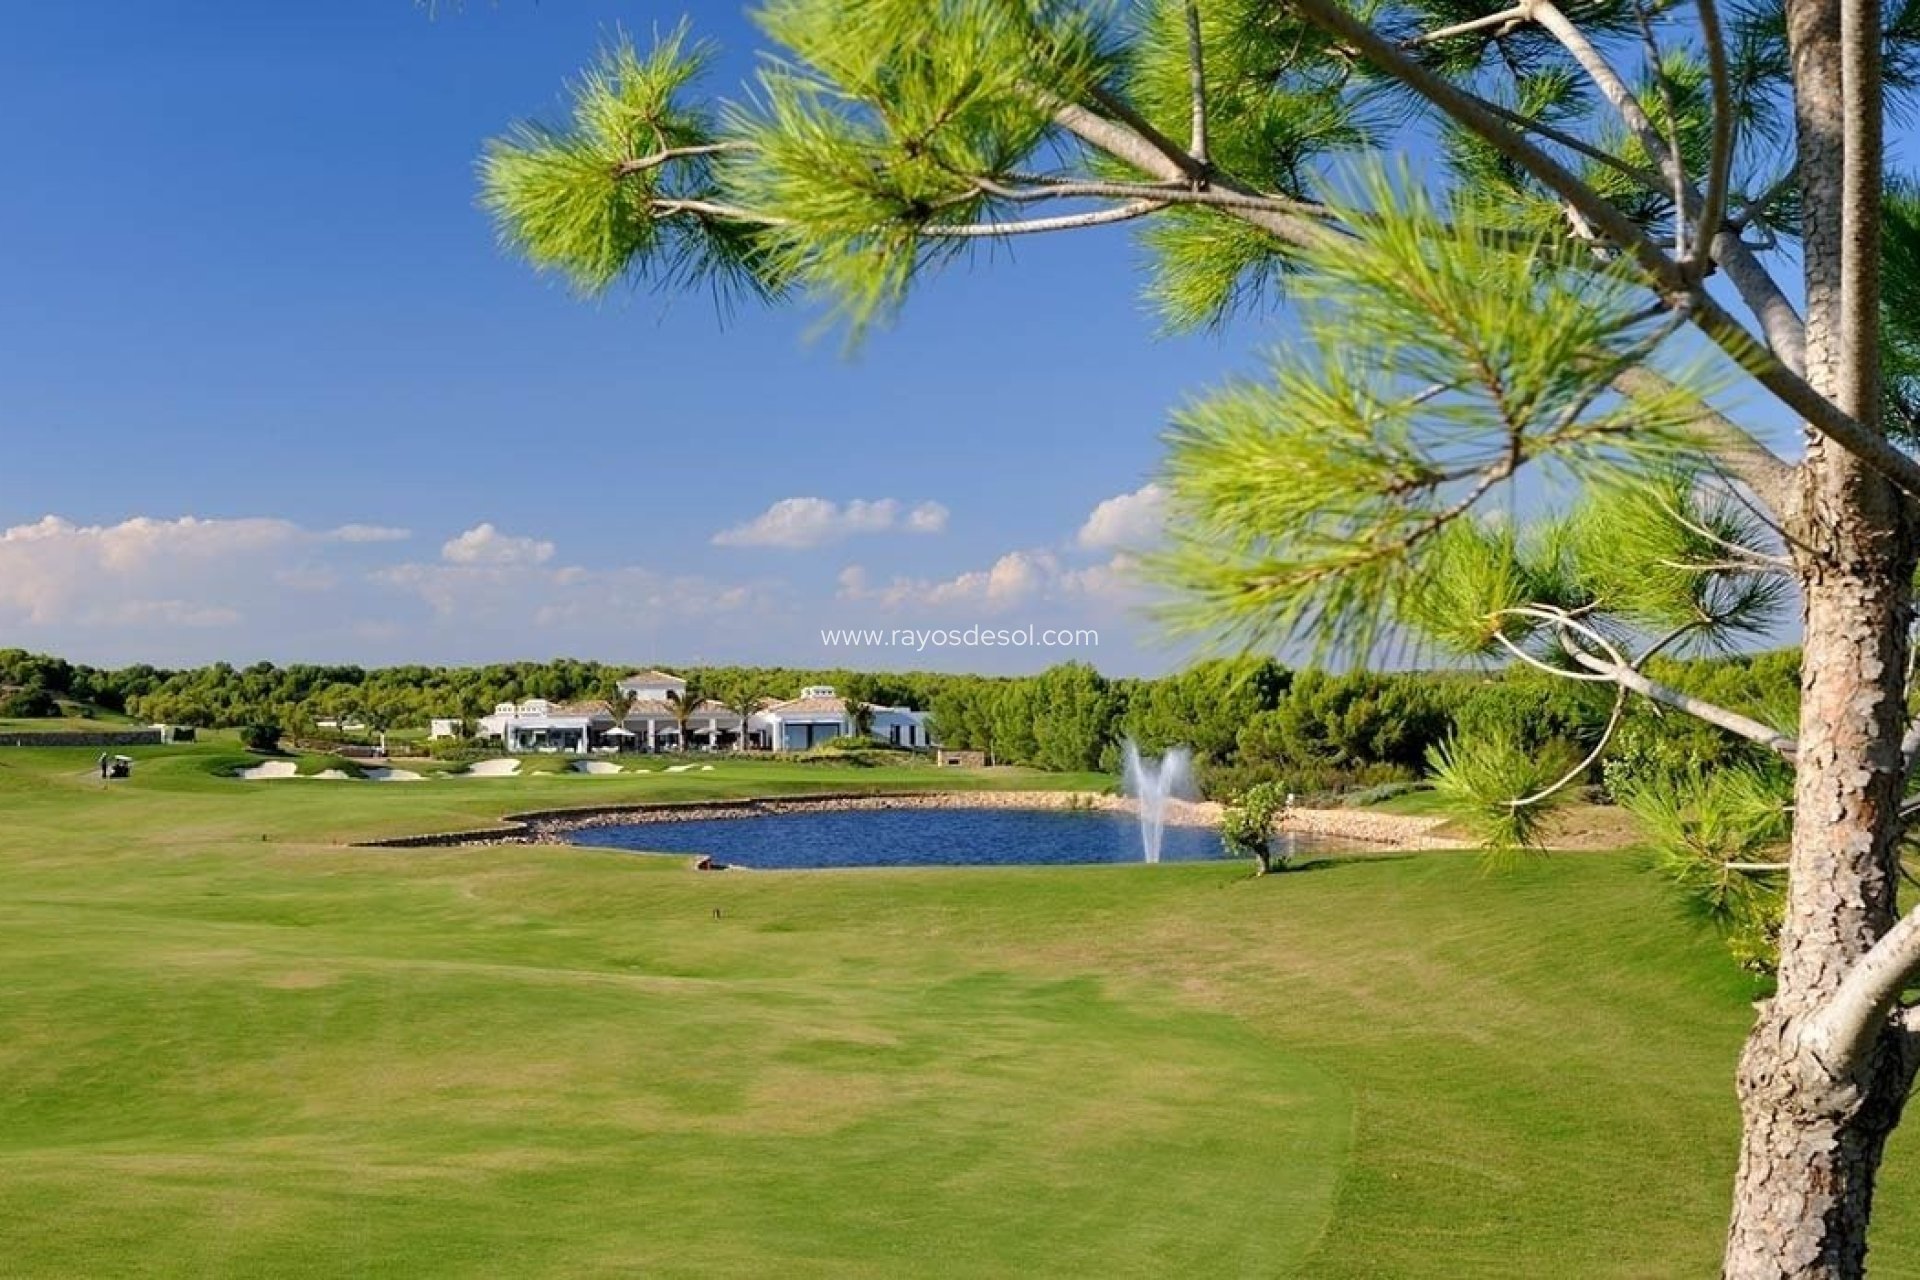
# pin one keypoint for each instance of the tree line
(1249, 721)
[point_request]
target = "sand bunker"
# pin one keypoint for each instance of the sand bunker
(501, 768)
(677, 768)
(269, 769)
(335, 775)
(706, 768)
(391, 775)
(595, 766)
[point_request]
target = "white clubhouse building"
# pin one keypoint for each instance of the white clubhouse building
(652, 721)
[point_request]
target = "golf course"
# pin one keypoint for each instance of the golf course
(234, 1043)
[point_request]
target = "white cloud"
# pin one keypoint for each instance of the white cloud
(484, 544)
(1015, 579)
(191, 590)
(1129, 521)
(927, 517)
(798, 523)
(55, 571)
(367, 533)
(1117, 581)
(530, 598)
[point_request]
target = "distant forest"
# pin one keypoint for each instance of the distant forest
(1248, 720)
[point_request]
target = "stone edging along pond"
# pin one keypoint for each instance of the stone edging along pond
(553, 826)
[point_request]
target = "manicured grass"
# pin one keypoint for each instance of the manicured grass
(1421, 802)
(69, 724)
(233, 1046)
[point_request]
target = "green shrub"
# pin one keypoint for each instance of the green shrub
(1353, 720)
(1534, 712)
(856, 751)
(1645, 753)
(462, 750)
(1312, 783)
(28, 704)
(260, 737)
(1246, 825)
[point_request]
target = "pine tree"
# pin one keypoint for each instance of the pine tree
(1535, 239)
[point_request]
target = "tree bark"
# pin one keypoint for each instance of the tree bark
(1813, 1130)
(1814, 1127)
(1810, 1146)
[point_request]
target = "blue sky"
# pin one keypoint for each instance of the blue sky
(271, 390)
(246, 280)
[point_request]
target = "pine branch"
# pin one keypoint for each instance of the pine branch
(1765, 473)
(1757, 207)
(1164, 192)
(1767, 368)
(1143, 128)
(1841, 1033)
(1505, 20)
(1032, 226)
(1616, 668)
(1733, 722)
(1675, 164)
(1713, 205)
(1599, 155)
(1124, 143)
(1332, 17)
(1785, 330)
(717, 210)
(1197, 78)
(641, 164)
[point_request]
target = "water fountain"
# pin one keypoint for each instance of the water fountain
(1152, 783)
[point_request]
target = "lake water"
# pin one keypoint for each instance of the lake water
(908, 838)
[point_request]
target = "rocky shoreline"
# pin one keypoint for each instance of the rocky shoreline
(555, 826)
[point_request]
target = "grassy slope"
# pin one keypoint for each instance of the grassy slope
(74, 716)
(229, 1054)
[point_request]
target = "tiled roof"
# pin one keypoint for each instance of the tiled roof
(652, 677)
(811, 706)
(659, 708)
(596, 707)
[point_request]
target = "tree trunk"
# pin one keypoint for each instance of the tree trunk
(1813, 1132)
(1810, 1147)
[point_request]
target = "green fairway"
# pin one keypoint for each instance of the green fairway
(232, 1045)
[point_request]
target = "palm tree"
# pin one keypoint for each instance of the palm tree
(684, 704)
(858, 694)
(859, 716)
(742, 697)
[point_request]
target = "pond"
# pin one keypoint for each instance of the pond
(908, 838)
